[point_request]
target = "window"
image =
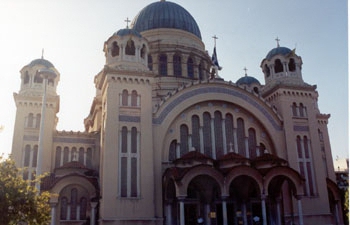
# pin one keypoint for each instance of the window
(38, 120)
(252, 143)
(150, 62)
(183, 139)
(38, 78)
(143, 51)
(291, 65)
(229, 132)
(294, 109)
(73, 204)
(218, 134)
(30, 121)
(278, 66)
(81, 155)
(163, 65)
(177, 65)
(125, 96)
(115, 49)
(64, 208)
(172, 151)
(130, 47)
(129, 163)
(241, 137)
(26, 156)
(267, 70)
(207, 134)
(190, 72)
(35, 156)
(305, 165)
(89, 157)
(58, 157)
(26, 78)
(134, 97)
(65, 155)
(200, 71)
(195, 132)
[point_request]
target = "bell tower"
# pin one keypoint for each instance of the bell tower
(35, 87)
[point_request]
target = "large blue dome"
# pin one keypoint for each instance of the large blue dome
(247, 80)
(278, 51)
(42, 62)
(165, 14)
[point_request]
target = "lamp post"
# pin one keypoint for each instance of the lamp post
(46, 74)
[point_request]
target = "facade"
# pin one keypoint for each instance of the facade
(167, 141)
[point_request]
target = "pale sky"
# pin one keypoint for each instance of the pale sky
(72, 34)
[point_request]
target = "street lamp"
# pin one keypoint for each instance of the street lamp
(47, 75)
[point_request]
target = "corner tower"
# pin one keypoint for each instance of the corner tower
(28, 116)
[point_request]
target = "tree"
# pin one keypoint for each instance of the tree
(20, 200)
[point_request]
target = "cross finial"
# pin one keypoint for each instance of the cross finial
(215, 37)
(245, 71)
(278, 42)
(127, 22)
(42, 53)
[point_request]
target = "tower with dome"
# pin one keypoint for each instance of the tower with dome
(165, 142)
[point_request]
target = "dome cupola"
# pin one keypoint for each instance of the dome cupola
(249, 82)
(164, 14)
(281, 64)
(33, 80)
(126, 48)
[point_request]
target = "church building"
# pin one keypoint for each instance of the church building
(167, 141)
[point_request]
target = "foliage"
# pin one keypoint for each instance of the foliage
(346, 204)
(20, 201)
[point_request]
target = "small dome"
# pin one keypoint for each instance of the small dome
(247, 80)
(165, 14)
(278, 51)
(41, 61)
(127, 31)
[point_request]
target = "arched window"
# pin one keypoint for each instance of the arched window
(229, 132)
(240, 137)
(74, 154)
(58, 157)
(278, 66)
(130, 47)
(267, 70)
(26, 78)
(115, 49)
(133, 161)
(26, 156)
(89, 157)
(35, 156)
(38, 78)
(125, 96)
(134, 98)
(291, 65)
(294, 109)
(301, 110)
(83, 208)
(143, 51)
(163, 65)
(81, 155)
(183, 139)
(65, 155)
(207, 134)
(172, 151)
(38, 120)
(177, 65)
(73, 204)
(195, 132)
(64, 208)
(190, 72)
(30, 120)
(218, 134)
(252, 143)
(124, 163)
(150, 62)
(200, 71)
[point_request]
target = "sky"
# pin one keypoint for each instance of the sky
(72, 34)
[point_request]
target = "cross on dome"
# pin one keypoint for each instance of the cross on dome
(245, 71)
(127, 22)
(278, 42)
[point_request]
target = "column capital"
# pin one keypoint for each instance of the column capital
(93, 204)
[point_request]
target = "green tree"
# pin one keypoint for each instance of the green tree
(20, 201)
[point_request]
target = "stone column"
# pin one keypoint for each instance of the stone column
(224, 211)
(278, 205)
(235, 140)
(93, 213)
(182, 210)
(246, 147)
(300, 211)
(53, 213)
(168, 210)
(263, 209)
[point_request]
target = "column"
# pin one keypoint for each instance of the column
(53, 213)
(235, 140)
(300, 211)
(93, 213)
(224, 135)
(182, 210)
(201, 139)
(244, 213)
(246, 147)
(263, 209)
(224, 211)
(68, 212)
(168, 213)
(184, 71)
(336, 212)
(213, 149)
(278, 206)
(207, 219)
(62, 154)
(178, 153)
(190, 146)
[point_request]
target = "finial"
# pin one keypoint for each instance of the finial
(215, 37)
(42, 53)
(245, 71)
(127, 22)
(278, 42)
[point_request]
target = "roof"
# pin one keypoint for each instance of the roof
(127, 31)
(41, 61)
(164, 14)
(278, 51)
(248, 80)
